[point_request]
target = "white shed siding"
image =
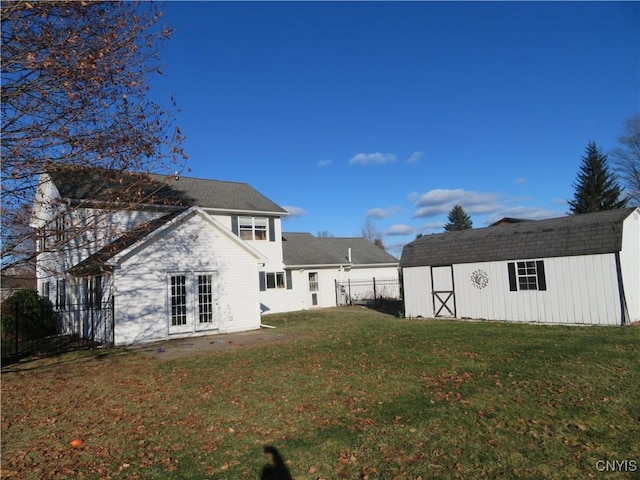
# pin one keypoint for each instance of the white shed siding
(580, 290)
(141, 282)
(630, 264)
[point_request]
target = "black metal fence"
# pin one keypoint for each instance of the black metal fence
(29, 330)
(369, 292)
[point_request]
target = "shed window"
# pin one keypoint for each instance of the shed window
(526, 275)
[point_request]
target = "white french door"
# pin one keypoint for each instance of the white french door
(192, 302)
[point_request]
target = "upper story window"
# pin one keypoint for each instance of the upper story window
(41, 235)
(59, 228)
(253, 228)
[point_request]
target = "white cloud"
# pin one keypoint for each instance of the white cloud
(441, 201)
(294, 211)
(382, 212)
(372, 158)
(324, 163)
(399, 229)
(414, 157)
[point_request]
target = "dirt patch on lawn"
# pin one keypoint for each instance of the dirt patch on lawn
(180, 347)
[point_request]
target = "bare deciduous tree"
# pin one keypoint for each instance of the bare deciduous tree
(372, 234)
(626, 159)
(75, 93)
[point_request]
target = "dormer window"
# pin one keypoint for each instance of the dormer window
(253, 228)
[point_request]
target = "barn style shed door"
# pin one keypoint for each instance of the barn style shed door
(192, 302)
(444, 301)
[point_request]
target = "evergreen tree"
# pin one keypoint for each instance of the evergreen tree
(458, 220)
(597, 188)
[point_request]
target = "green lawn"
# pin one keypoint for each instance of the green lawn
(358, 395)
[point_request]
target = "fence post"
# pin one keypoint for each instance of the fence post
(350, 299)
(15, 332)
(113, 321)
(375, 295)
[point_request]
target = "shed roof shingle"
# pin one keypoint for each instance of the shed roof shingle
(305, 249)
(584, 234)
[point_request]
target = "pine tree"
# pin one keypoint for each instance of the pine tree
(458, 220)
(597, 188)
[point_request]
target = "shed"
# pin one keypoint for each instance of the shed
(578, 269)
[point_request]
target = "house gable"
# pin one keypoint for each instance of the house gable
(135, 240)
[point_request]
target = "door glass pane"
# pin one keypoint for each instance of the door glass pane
(313, 281)
(205, 299)
(178, 300)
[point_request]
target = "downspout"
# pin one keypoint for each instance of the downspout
(624, 311)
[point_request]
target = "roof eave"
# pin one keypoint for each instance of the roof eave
(272, 213)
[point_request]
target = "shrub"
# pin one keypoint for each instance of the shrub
(27, 316)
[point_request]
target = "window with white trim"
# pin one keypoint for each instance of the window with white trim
(527, 275)
(61, 294)
(59, 231)
(42, 239)
(253, 228)
(273, 280)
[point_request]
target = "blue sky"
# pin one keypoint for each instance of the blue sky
(397, 111)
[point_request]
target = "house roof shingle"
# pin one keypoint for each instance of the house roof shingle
(305, 249)
(584, 234)
(99, 185)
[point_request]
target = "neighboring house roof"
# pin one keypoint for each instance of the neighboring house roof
(104, 258)
(584, 234)
(17, 278)
(508, 221)
(301, 249)
(100, 185)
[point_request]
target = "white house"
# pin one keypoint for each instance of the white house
(579, 269)
(187, 257)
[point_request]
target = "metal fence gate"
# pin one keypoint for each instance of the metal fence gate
(82, 324)
(370, 292)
